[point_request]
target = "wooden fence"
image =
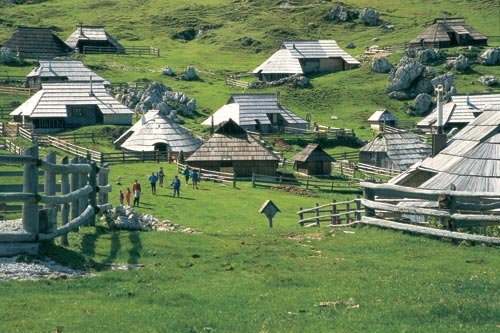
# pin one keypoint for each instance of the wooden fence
(321, 132)
(135, 50)
(335, 212)
(306, 182)
(17, 90)
(453, 209)
(73, 149)
(12, 147)
(376, 171)
(235, 83)
(84, 192)
(215, 176)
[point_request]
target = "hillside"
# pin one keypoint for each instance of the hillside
(218, 50)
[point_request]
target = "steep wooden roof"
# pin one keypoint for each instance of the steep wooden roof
(72, 70)
(231, 143)
(438, 31)
(36, 43)
(91, 33)
(381, 115)
(403, 148)
(313, 153)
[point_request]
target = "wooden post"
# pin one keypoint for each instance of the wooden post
(307, 183)
(93, 194)
(50, 179)
(301, 217)
(453, 210)
(333, 212)
(369, 195)
(234, 179)
(317, 214)
(357, 215)
(30, 185)
(253, 180)
(82, 181)
(347, 210)
(75, 209)
(65, 206)
(106, 181)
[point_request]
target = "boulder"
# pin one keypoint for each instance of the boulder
(461, 63)
(189, 74)
(6, 55)
(422, 104)
(247, 41)
(369, 17)
(402, 76)
(350, 45)
(381, 65)
(490, 57)
(185, 35)
(168, 71)
(341, 13)
(446, 80)
(429, 57)
(488, 80)
(399, 95)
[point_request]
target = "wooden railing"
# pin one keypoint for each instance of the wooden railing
(17, 90)
(12, 147)
(321, 132)
(235, 83)
(373, 170)
(215, 176)
(307, 182)
(136, 50)
(453, 209)
(73, 149)
(335, 212)
(78, 200)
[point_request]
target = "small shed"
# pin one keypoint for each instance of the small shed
(87, 38)
(231, 149)
(256, 112)
(381, 118)
(72, 104)
(447, 33)
(156, 131)
(305, 57)
(52, 71)
(313, 160)
(395, 149)
(36, 43)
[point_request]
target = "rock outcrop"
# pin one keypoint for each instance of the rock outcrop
(369, 17)
(490, 57)
(342, 13)
(381, 65)
(423, 103)
(488, 80)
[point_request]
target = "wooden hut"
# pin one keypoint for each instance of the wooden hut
(52, 71)
(305, 57)
(381, 118)
(89, 38)
(231, 149)
(459, 111)
(447, 33)
(72, 104)
(313, 160)
(256, 112)
(394, 149)
(157, 131)
(36, 43)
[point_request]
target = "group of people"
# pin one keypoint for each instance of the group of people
(158, 177)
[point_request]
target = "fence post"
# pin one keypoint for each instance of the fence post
(357, 214)
(75, 210)
(307, 183)
(106, 181)
(49, 189)
(234, 179)
(317, 214)
(369, 195)
(30, 185)
(82, 181)
(65, 206)
(93, 194)
(301, 216)
(333, 212)
(347, 210)
(253, 180)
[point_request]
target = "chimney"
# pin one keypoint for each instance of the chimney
(278, 97)
(439, 139)
(80, 28)
(91, 93)
(468, 101)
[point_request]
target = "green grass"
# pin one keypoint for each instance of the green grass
(238, 275)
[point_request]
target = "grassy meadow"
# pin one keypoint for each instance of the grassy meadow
(236, 274)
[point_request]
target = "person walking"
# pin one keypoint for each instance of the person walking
(152, 180)
(176, 185)
(127, 196)
(186, 173)
(161, 176)
(121, 196)
(136, 188)
(195, 178)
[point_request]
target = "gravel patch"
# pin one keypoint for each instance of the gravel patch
(14, 268)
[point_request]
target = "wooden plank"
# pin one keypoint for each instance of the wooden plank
(19, 187)
(430, 231)
(13, 237)
(13, 249)
(408, 210)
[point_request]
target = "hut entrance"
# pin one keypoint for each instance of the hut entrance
(227, 166)
(161, 146)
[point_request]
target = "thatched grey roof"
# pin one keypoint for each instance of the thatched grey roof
(461, 109)
(313, 153)
(470, 161)
(438, 31)
(36, 43)
(287, 59)
(402, 147)
(231, 143)
(70, 70)
(51, 101)
(157, 127)
(381, 116)
(85, 33)
(245, 109)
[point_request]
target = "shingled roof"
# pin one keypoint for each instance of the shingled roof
(440, 30)
(402, 147)
(88, 33)
(36, 43)
(313, 153)
(71, 70)
(245, 109)
(231, 143)
(156, 127)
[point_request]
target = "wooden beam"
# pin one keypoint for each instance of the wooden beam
(409, 210)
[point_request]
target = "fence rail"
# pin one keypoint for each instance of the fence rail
(235, 83)
(211, 175)
(73, 149)
(135, 50)
(17, 90)
(12, 147)
(373, 170)
(307, 182)
(334, 212)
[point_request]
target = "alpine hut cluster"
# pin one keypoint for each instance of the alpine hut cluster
(447, 33)
(231, 149)
(256, 112)
(305, 57)
(313, 160)
(156, 131)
